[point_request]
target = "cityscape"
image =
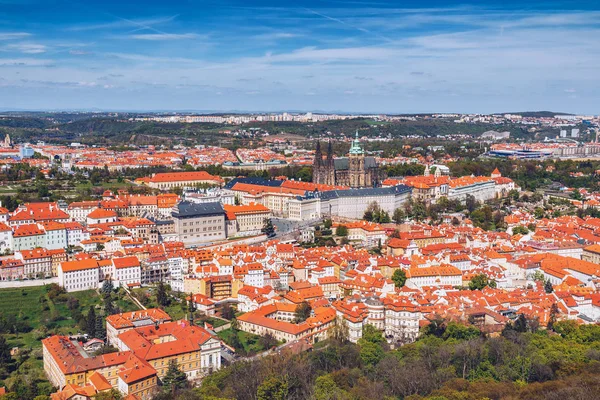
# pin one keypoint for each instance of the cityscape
(324, 201)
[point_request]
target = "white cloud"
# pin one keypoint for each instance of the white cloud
(13, 35)
(164, 36)
(28, 48)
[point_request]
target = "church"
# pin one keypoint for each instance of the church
(354, 171)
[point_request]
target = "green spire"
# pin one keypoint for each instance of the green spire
(356, 148)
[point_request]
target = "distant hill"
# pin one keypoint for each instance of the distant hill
(535, 114)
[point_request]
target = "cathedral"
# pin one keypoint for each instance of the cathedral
(354, 171)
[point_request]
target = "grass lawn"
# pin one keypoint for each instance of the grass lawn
(248, 342)
(113, 184)
(24, 304)
(173, 309)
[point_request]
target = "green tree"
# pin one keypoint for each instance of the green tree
(227, 311)
(99, 329)
(273, 388)
(268, 228)
(538, 276)
(112, 394)
(326, 388)
(399, 277)
(480, 281)
(162, 298)
(6, 360)
(371, 334)
(267, 341)
(370, 353)
(107, 288)
(553, 318)
(399, 215)
(548, 287)
(341, 230)
(91, 322)
(175, 379)
(327, 223)
(191, 308)
(520, 230)
(340, 331)
(302, 312)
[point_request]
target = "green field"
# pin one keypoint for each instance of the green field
(248, 343)
(33, 306)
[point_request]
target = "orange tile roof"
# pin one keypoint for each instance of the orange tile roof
(80, 265)
(100, 213)
(126, 262)
(126, 320)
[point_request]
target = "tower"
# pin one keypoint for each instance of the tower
(318, 164)
(330, 166)
(356, 164)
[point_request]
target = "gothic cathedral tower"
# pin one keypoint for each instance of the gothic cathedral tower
(356, 164)
(318, 165)
(330, 170)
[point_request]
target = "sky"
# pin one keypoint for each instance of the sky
(356, 56)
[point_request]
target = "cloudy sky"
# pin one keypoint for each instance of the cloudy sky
(259, 55)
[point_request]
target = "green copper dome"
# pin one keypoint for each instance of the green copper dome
(356, 148)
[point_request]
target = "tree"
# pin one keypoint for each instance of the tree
(267, 341)
(91, 322)
(5, 357)
(373, 212)
(520, 324)
(273, 388)
(520, 230)
(109, 307)
(227, 311)
(480, 281)
(326, 388)
(112, 394)
(471, 203)
(175, 379)
(553, 318)
(107, 288)
(341, 230)
(548, 287)
(162, 298)
(268, 228)
(191, 308)
(399, 215)
(537, 276)
(327, 223)
(399, 278)
(303, 311)
(99, 329)
(340, 331)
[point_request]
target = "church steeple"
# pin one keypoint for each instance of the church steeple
(318, 155)
(330, 154)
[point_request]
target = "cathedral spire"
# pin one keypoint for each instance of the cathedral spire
(318, 154)
(330, 153)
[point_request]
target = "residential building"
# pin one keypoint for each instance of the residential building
(199, 223)
(79, 275)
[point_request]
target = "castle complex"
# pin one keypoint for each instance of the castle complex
(354, 171)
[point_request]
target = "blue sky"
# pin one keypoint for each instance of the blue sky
(355, 56)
